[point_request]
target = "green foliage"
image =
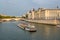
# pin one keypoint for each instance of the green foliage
(7, 16)
(23, 17)
(26, 15)
(0, 16)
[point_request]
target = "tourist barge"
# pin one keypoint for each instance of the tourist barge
(28, 27)
(58, 25)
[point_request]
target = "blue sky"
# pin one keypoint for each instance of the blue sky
(20, 7)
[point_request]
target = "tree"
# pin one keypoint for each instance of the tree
(0, 16)
(26, 15)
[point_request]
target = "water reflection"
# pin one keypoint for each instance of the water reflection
(10, 31)
(45, 32)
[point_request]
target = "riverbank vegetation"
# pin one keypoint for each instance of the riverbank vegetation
(7, 16)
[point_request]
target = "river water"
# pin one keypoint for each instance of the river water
(10, 31)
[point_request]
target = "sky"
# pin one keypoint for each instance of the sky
(20, 7)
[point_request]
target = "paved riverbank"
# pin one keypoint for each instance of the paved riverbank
(53, 22)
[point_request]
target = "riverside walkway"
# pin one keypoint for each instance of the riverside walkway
(54, 22)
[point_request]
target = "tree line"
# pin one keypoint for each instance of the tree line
(7, 16)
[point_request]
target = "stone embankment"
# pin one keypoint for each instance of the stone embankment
(54, 22)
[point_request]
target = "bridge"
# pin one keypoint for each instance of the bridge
(11, 19)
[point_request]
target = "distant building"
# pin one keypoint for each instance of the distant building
(43, 13)
(31, 14)
(52, 13)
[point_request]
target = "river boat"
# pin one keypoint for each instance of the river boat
(28, 27)
(58, 25)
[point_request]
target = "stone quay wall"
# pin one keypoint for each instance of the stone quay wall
(54, 22)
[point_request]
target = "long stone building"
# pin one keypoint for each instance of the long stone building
(43, 13)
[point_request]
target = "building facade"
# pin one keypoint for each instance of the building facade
(42, 13)
(52, 13)
(31, 14)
